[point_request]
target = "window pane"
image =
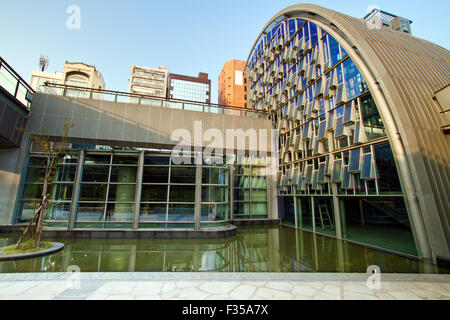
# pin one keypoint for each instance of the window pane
(154, 193)
(93, 192)
(182, 174)
(153, 212)
(182, 193)
(121, 192)
(156, 175)
(123, 174)
(95, 173)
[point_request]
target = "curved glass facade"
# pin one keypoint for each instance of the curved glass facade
(337, 170)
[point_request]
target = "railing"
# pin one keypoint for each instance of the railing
(148, 100)
(14, 84)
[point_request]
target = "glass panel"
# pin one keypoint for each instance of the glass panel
(337, 165)
(214, 176)
(125, 159)
(95, 173)
(258, 209)
(354, 81)
(242, 194)
(373, 125)
(121, 192)
(380, 221)
(305, 219)
(324, 215)
(58, 211)
(367, 167)
(182, 174)
(154, 193)
(346, 179)
(355, 160)
(182, 193)
(35, 175)
(214, 194)
(181, 212)
(155, 175)
(259, 182)
(259, 195)
(93, 192)
(90, 211)
(62, 192)
(65, 173)
(388, 181)
(156, 160)
(32, 191)
(123, 174)
(97, 159)
(153, 212)
(119, 212)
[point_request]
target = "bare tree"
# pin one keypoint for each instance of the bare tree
(53, 152)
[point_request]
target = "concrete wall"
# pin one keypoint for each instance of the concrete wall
(11, 167)
(122, 124)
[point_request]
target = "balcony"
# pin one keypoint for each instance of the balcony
(15, 102)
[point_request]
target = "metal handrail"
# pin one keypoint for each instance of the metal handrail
(116, 94)
(26, 100)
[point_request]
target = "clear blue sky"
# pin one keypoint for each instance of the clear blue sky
(187, 36)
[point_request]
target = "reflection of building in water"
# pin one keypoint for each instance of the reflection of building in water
(208, 261)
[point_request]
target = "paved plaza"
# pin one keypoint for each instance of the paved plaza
(220, 286)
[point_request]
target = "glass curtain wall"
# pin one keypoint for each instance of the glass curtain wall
(333, 143)
(250, 189)
(107, 190)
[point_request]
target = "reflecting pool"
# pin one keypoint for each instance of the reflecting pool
(252, 249)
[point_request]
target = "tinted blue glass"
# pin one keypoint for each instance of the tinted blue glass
(306, 32)
(330, 120)
(355, 164)
(334, 50)
(326, 54)
(353, 79)
(339, 74)
(313, 31)
(346, 181)
(322, 128)
(308, 179)
(367, 165)
(344, 53)
(292, 27)
(340, 111)
(337, 166)
(321, 176)
(331, 104)
(300, 22)
(339, 127)
(347, 112)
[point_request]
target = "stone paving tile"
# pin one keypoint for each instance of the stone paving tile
(148, 288)
(151, 286)
(218, 287)
(116, 287)
(243, 292)
(404, 295)
(193, 294)
(272, 294)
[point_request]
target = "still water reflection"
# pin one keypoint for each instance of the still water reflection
(253, 249)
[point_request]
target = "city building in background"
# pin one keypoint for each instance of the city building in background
(148, 81)
(381, 19)
(75, 74)
(189, 88)
(233, 84)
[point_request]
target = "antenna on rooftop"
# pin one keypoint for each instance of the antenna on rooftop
(43, 62)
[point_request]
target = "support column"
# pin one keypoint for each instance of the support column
(337, 212)
(76, 190)
(294, 189)
(198, 191)
(137, 197)
(313, 215)
(231, 191)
